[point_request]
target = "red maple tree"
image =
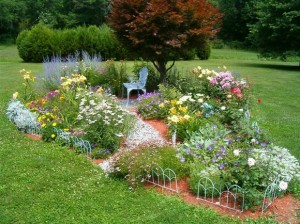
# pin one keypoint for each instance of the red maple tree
(161, 30)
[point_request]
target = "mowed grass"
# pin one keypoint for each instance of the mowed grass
(45, 183)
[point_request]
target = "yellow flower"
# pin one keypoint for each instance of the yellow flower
(174, 119)
(39, 119)
(43, 125)
(53, 136)
(187, 117)
(54, 124)
(162, 105)
(181, 119)
(15, 95)
(179, 102)
(173, 110)
(66, 129)
(173, 102)
(183, 109)
(22, 70)
(26, 76)
(61, 98)
(100, 90)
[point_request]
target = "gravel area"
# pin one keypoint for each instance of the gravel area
(143, 133)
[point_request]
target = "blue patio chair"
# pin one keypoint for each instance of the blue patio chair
(138, 85)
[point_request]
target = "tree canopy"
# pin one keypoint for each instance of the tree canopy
(161, 30)
(17, 15)
(277, 31)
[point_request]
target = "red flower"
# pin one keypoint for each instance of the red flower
(259, 100)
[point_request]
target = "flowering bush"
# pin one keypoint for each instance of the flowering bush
(151, 106)
(251, 164)
(57, 67)
(136, 165)
(103, 120)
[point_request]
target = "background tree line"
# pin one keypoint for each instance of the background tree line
(273, 26)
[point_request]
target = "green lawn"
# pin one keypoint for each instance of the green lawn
(44, 183)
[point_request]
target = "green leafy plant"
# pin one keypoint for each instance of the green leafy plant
(149, 106)
(103, 120)
(136, 165)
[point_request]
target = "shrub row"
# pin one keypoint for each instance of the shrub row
(40, 42)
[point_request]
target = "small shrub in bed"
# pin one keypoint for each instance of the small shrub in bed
(136, 165)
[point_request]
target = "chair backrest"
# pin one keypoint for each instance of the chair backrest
(143, 74)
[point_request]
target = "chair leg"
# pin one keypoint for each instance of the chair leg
(128, 94)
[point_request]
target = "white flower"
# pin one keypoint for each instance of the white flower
(283, 185)
(200, 100)
(253, 140)
(119, 135)
(251, 162)
(229, 96)
(241, 110)
(236, 152)
(223, 108)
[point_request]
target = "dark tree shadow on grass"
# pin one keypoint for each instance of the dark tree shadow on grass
(287, 67)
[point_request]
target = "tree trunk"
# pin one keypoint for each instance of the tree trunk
(161, 67)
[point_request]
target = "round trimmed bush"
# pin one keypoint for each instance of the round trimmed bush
(36, 44)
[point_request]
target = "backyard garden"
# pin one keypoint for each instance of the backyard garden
(224, 117)
(149, 111)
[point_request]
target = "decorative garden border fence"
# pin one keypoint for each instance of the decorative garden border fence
(81, 145)
(233, 197)
(270, 195)
(165, 178)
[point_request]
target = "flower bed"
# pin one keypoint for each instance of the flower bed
(209, 117)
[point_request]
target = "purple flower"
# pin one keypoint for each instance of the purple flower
(228, 141)
(209, 148)
(223, 150)
(263, 144)
(222, 165)
(219, 156)
(198, 146)
(182, 159)
(188, 151)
